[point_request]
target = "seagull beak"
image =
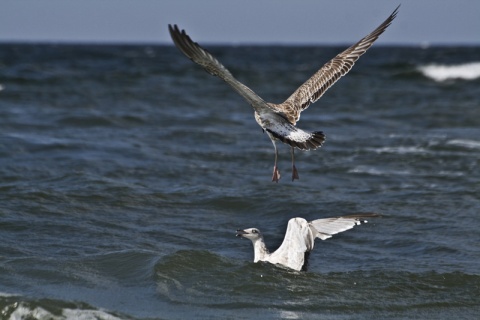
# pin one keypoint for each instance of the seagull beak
(240, 233)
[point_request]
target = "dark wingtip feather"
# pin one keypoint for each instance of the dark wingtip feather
(362, 217)
(316, 141)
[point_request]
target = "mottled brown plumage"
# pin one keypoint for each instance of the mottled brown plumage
(279, 120)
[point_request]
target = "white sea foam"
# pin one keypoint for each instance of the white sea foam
(378, 172)
(401, 150)
(445, 173)
(440, 72)
(470, 144)
(87, 314)
(289, 315)
(5, 294)
(23, 311)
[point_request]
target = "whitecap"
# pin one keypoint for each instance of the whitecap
(401, 150)
(87, 314)
(378, 172)
(24, 311)
(465, 143)
(440, 72)
(6, 294)
(289, 315)
(451, 174)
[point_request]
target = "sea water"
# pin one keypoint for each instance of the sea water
(125, 171)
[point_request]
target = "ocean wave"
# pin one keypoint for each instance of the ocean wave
(401, 150)
(440, 72)
(465, 143)
(224, 283)
(378, 172)
(26, 310)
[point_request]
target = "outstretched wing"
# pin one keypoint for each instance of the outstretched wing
(331, 72)
(202, 57)
(300, 237)
(297, 242)
(325, 228)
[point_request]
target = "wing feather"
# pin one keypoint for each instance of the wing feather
(331, 72)
(326, 228)
(203, 58)
(300, 237)
(298, 240)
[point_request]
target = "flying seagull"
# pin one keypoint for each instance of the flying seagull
(279, 120)
(299, 239)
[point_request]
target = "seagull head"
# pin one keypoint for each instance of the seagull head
(251, 233)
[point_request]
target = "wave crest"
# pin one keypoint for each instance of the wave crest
(439, 72)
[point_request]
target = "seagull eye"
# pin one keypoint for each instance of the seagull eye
(254, 231)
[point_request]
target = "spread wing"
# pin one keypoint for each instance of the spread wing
(331, 72)
(300, 237)
(203, 58)
(325, 228)
(298, 241)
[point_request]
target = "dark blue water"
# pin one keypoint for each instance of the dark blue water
(125, 171)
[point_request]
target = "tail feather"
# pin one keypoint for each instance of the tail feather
(301, 139)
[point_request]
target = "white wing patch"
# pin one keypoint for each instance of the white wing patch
(291, 133)
(298, 240)
(325, 228)
(295, 137)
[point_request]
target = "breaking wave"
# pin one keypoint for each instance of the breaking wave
(440, 72)
(13, 309)
(469, 144)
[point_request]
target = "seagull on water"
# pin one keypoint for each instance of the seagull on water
(279, 120)
(299, 239)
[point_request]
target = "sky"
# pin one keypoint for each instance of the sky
(419, 22)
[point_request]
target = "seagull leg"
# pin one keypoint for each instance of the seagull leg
(294, 169)
(276, 173)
